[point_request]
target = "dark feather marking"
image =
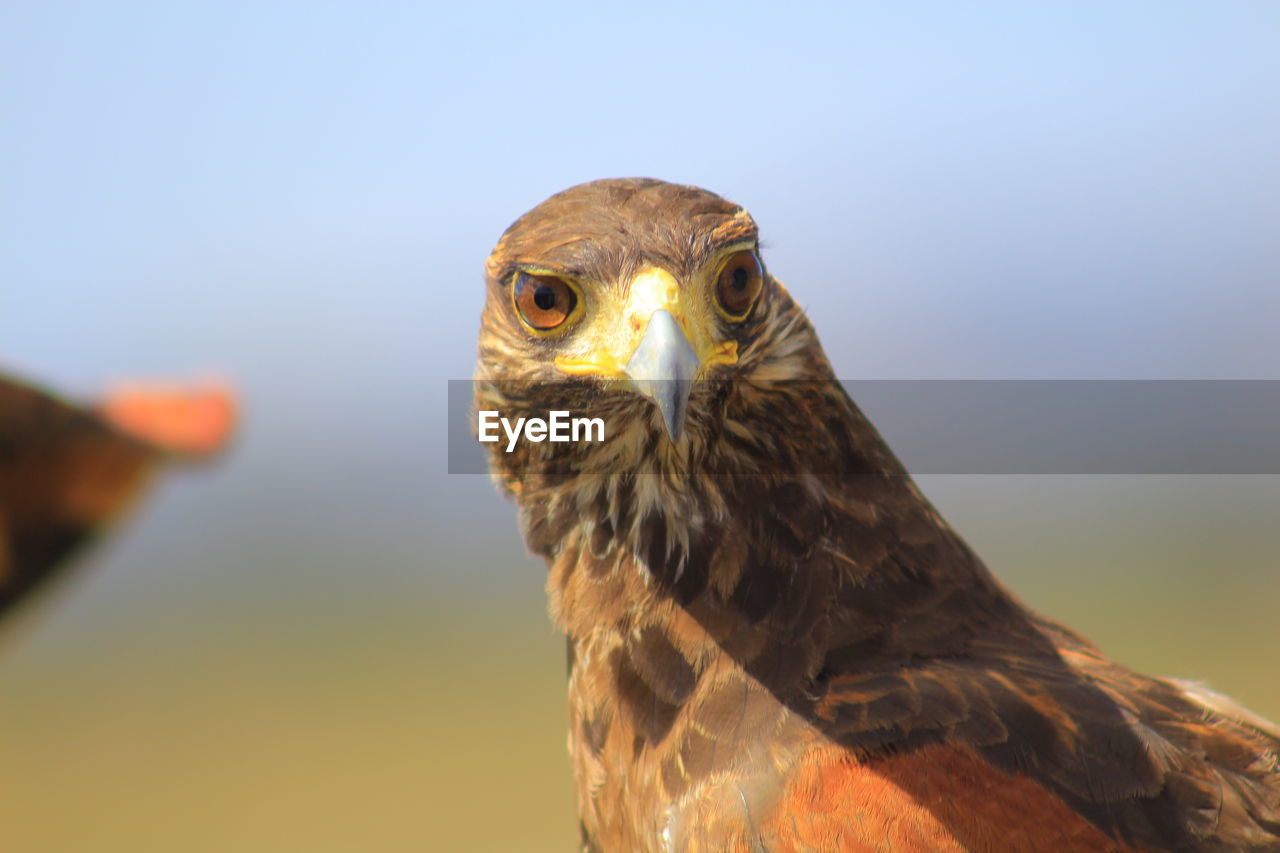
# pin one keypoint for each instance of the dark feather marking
(795, 520)
(759, 588)
(662, 666)
(697, 564)
(594, 731)
(651, 715)
(588, 843)
(539, 535)
(659, 556)
(683, 573)
(601, 540)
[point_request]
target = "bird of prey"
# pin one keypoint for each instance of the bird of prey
(775, 643)
(67, 470)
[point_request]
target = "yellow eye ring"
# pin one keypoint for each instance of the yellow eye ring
(739, 283)
(544, 302)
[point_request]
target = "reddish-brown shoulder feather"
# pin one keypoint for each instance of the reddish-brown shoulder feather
(937, 798)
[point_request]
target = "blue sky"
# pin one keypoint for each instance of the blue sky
(1079, 189)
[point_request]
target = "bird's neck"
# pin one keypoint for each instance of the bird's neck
(705, 610)
(822, 554)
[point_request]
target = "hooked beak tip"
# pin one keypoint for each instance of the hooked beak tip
(674, 409)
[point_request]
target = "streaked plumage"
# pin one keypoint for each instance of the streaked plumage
(775, 642)
(66, 471)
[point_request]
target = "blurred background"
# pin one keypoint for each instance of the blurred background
(326, 642)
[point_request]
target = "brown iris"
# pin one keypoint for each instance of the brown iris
(544, 301)
(739, 283)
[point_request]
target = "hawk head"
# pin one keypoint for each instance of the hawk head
(643, 302)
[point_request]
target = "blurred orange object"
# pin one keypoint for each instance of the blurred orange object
(189, 420)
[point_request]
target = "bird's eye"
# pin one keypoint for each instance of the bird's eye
(543, 301)
(739, 283)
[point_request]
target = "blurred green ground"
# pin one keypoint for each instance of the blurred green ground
(183, 694)
(414, 731)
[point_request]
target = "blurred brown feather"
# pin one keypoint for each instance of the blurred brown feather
(68, 471)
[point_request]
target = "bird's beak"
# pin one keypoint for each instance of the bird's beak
(663, 367)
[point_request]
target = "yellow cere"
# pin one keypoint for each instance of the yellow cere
(654, 289)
